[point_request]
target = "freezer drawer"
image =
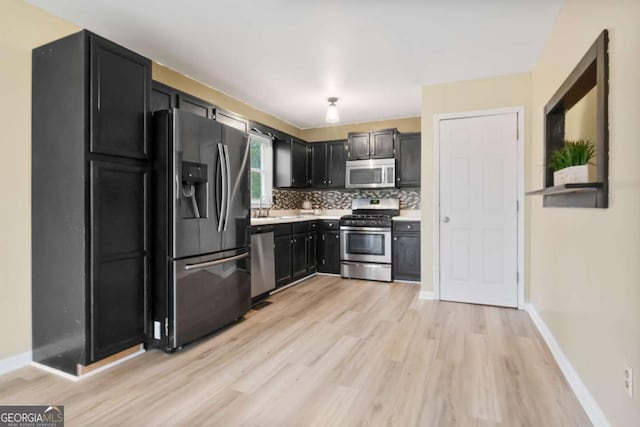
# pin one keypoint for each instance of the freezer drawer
(209, 292)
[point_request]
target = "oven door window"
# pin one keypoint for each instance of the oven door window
(365, 176)
(365, 243)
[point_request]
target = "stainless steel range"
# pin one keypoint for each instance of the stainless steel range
(365, 239)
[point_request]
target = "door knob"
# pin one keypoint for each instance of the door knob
(445, 219)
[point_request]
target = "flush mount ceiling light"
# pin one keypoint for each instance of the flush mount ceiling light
(332, 111)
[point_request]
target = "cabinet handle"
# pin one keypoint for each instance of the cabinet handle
(329, 181)
(395, 238)
(338, 236)
(398, 179)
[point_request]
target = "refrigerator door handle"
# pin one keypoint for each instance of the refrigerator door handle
(216, 262)
(228, 169)
(223, 210)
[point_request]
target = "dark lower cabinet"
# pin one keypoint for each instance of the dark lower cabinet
(299, 258)
(406, 251)
(312, 253)
(295, 251)
(329, 252)
(283, 251)
(90, 200)
(119, 216)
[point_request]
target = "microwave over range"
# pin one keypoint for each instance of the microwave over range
(374, 173)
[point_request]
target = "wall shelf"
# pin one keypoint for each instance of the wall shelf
(566, 188)
(591, 72)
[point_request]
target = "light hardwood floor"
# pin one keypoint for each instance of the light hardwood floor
(331, 352)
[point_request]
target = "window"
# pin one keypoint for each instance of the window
(261, 170)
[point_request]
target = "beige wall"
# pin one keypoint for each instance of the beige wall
(584, 263)
(180, 81)
(329, 133)
(23, 28)
(473, 95)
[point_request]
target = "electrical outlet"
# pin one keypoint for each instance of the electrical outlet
(628, 380)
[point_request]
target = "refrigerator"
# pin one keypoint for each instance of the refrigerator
(201, 220)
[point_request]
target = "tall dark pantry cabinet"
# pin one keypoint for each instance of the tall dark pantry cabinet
(90, 213)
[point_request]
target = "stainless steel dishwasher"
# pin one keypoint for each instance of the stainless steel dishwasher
(263, 276)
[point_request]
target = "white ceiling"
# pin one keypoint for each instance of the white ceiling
(286, 57)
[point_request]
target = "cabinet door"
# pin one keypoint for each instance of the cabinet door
(329, 251)
(162, 97)
(406, 257)
(312, 249)
(119, 256)
(336, 159)
(408, 160)
(358, 144)
(382, 144)
(283, 260)
(195, 105)
(299, 257)
(120, 94)
(319, 165)
(299, 153)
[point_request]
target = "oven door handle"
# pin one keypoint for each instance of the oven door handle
(375, 229)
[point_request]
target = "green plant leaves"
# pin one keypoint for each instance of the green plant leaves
(572, 153)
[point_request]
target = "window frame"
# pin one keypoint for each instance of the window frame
(266, 170)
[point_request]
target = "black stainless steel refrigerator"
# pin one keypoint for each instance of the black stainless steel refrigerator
(201, 227)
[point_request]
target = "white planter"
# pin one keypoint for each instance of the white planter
(575, 175)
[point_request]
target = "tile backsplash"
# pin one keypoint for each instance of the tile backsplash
(341, 199)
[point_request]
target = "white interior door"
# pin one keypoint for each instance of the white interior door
(478, 210)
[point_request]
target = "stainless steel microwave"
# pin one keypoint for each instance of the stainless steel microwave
(374, 173)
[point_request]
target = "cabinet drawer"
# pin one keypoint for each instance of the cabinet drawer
(282, 229)
(406, 226)
(327, 225)
(300, 227)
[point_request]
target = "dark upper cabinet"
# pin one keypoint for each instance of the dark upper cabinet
(120, 94)
(336, 162)
(328, 160)
(163, 97)
(371, 145)
(406, 251)
(299, 164)
(195, 105)
(382, 144)
(408, 160)
(359, 146)
(90, 195)
(291, 158)
(319, 164)
(231, 119)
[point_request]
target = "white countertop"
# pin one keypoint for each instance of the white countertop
(284, 219)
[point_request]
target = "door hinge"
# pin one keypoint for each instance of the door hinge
(517, 132)
(518, 205)
(166, 326)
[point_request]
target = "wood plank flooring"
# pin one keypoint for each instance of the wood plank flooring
(331, 352)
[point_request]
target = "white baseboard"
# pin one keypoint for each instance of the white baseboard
(15, 362)
(581, 391)
(88, 374)
(430, 295)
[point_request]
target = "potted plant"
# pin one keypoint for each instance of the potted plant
(571, 163)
